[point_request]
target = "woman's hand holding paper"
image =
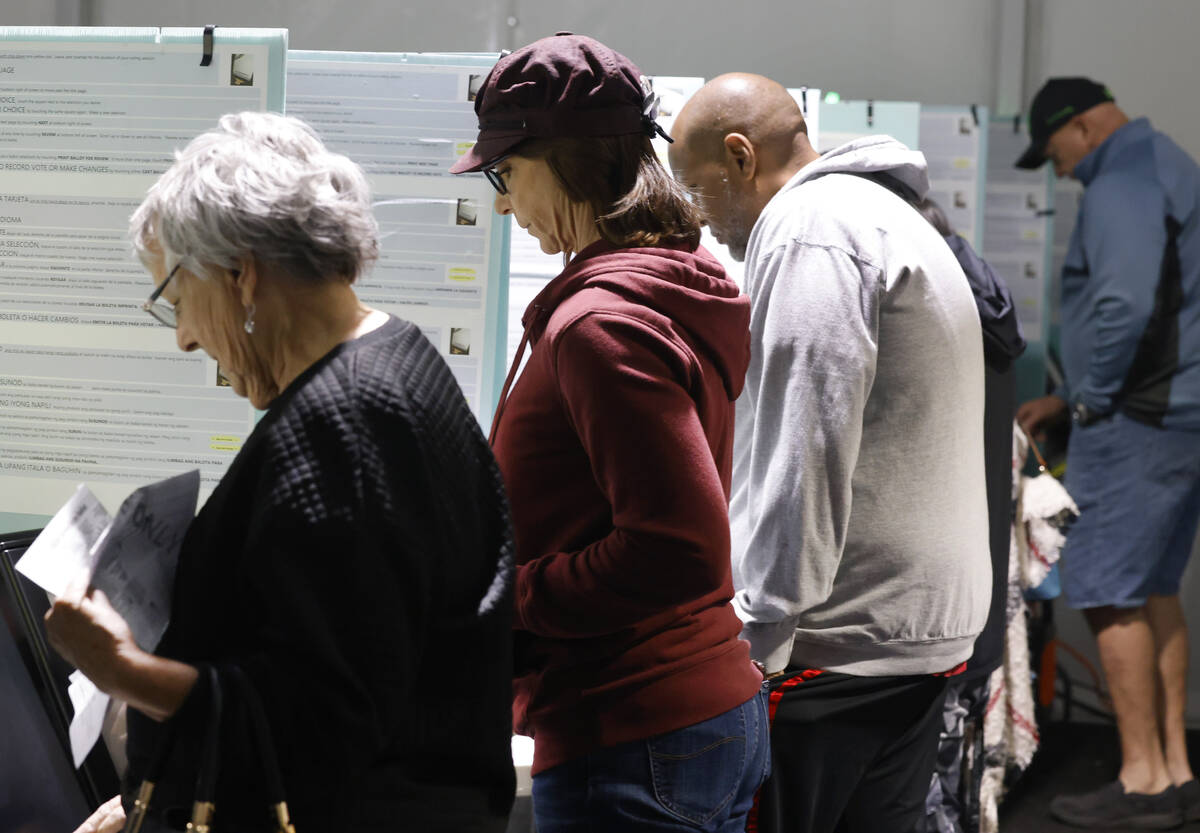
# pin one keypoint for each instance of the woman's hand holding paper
(85, 629)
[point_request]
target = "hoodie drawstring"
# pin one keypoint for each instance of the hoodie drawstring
(512, 372)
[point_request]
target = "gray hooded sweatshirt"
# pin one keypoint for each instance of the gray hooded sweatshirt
(859, 511)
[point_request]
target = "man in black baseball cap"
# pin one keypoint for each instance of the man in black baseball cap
(1059, 105)
(1130, 346)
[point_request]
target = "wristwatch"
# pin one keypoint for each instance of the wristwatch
(1084, 416)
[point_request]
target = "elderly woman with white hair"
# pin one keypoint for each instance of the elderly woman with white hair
(357, 551)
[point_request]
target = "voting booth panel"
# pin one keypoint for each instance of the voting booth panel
(443, 257)
(954, 141)
(1018, 242)
(40, 789)
(91, 388)
(843, 121)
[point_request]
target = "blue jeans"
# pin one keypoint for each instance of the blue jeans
(702, 777)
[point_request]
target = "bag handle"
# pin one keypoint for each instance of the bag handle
(204, 806)
(266, 750)
(210, 756)
(206, 778)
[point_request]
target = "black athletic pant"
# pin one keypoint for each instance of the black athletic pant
(849, 754)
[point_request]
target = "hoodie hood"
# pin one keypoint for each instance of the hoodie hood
(1003, 341)
(688, 287)
(870, 155)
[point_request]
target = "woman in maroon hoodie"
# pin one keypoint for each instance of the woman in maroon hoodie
(615, 446)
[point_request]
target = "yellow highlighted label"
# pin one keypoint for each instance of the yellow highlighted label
(462, 273)
(462, 147)
(223, 443)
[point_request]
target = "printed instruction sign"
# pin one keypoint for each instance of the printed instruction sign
(442, 249)
(91, 387)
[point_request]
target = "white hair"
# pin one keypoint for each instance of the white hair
(260, 185)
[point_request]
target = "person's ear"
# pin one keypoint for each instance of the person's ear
(245, 280)
(1083, 129)
(741, 156)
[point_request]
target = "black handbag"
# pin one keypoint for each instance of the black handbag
(230, 682)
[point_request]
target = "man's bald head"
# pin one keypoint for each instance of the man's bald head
(758, 108)
(738, 140)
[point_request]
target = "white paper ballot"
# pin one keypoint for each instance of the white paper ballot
(135, 558)
(131, 557)
(90, 705)
(63, 549)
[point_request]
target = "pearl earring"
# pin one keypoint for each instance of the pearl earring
(249, 325)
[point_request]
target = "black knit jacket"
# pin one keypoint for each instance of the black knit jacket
(356, 562)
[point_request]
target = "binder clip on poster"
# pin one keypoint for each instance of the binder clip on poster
(207, 56)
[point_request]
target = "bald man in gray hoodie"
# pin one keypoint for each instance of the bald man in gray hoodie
(858, 513)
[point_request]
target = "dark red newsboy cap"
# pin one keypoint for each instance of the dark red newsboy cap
(565, 85)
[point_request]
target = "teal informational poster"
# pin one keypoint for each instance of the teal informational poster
(844, 121)
(954, 141)
(1018, 242)
(444, 252)
(92, 389)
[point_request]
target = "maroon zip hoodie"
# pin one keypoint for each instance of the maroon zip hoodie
(616, 447)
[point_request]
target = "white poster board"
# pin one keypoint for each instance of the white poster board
(443, 251)
(1017, 242)
(1016, 239)
(954, 141)
(91, 387)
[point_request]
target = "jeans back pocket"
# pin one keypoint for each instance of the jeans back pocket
(697, 770)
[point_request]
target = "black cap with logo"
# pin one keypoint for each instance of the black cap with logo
(1057, 102)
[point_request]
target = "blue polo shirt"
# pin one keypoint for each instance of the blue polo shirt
(1131, 282)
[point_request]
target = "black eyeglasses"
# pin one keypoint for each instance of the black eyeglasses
(494, 177)
(163, 312)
